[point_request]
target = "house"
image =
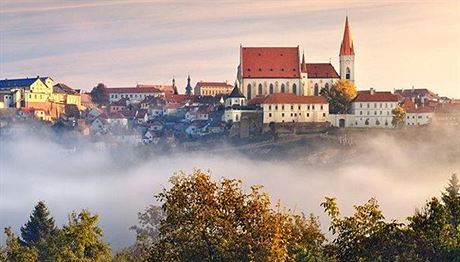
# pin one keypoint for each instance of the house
(197, 113)
(419, 96)
(119, 105)
(165, 89)
(65, 95)
(117, 119)
(124, 136)
(212, 88)
(141, 116)
(87, 101)
(373, 109)
(288, 107)
(417, 115)
(99, 126)
(447, 114)
(133, 94)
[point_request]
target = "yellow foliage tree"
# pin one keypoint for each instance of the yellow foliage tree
(340, 96)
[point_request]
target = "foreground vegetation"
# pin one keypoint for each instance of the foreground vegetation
(205, 220)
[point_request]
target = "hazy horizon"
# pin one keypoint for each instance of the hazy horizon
(398, 44)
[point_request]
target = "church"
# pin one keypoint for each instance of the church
(268, 70)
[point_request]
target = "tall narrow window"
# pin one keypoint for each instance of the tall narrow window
(249, 91)
(260, 89)
(271, 88)
(348, 74)
(294, 89)
(283, 88)
(316, 89)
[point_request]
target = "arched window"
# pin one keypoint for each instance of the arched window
(316, 90)
(326, 86)
(283, 88)
(348, 74)
(294, 88)
(260, 89)
(271, 88)
(249, 91)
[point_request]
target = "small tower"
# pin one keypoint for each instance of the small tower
(347, 55)
(188, 88)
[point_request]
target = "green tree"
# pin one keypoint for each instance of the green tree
(100, 95)
(207, 220)
(451, 199)
(15, 252)
(339, 96)
(81, 240)
(399, 115)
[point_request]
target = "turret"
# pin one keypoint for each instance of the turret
(347, 55)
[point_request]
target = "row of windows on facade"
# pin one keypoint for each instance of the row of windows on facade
(419, 117)
(214, 92)
(375, 113)
(294, 114)
(292, 107)
(367, 122)
(131, 95)
(283, 89)
(375, 105)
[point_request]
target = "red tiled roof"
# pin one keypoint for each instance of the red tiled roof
(410, 107)
(116, 115)
(176, 98)
(289, 98)
(133, 90)
(347, 48)
(366, 96)
(270, 62)
(319, 70)
(414, 92)
(164, 88)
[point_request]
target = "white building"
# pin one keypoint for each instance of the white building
(417, 115)
(279, 108)
(269, 70)
(134, 94)
(373, 109)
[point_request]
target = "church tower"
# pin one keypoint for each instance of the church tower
(347, 55)
(188, 88)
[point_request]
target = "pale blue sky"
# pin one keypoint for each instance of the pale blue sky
(398, 43)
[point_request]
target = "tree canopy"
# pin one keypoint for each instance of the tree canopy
(339, 96)
(99, 94)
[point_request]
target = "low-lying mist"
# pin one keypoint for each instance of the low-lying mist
(402, 169)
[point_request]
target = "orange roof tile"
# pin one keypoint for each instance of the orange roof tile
(270, 62)
(319, 70)
(347, 48)
(366, 96)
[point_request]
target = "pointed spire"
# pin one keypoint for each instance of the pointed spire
(303, 57)
(346, 48)
(174, 81)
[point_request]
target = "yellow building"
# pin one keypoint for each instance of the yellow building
(212, 88)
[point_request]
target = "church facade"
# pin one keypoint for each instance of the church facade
(267, 70)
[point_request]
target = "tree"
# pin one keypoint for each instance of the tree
(451, 199)
(340, 96)
(399, 114)
(15, 252)
(80, 240)
(39, 227)
(100, 95)
(205, 220)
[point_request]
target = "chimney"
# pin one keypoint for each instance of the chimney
(372, 91)
(413, 89)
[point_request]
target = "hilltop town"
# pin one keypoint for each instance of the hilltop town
(276, 92)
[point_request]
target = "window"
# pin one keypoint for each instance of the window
(271, 88)
(276, 107)
(308, 107)
(260, 89)
(316, 92)
(324, 114)
(292, 107)
(282, 115)
(326, 86)
(321, 107)
(348, 74)
(360, 105)
(313, 107)
(367, 105)
(299, 107)
(361, 113)
(282, 107)
(269, 114)
(283, 88)
(294, 88)
(249, 91)
(269, 107)
(292, 115)
(308, 114)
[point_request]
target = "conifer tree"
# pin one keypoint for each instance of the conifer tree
(39, 227)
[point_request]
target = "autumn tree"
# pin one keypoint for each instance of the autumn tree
(15, 252)
(100, 95)
(205, 220)
(339, 96)
(399, 115)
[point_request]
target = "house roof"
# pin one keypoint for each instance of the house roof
(270, 62)
(289, 98)
(257, 100)
(347, 48)
(176, 98)
(19, 82)
(167, 89)
(120, 102)
(116, 115)
(367, 96)
(414, 92)
(320, 70)
(63, 88)
(410, 107)
(235, 93)
(133, 90)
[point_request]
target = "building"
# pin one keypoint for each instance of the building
(268, 70)
(417, 115)
(212, 88)
(373, 109)
(419, 96)
(288, 107)
(188, 88)
(133, 94)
